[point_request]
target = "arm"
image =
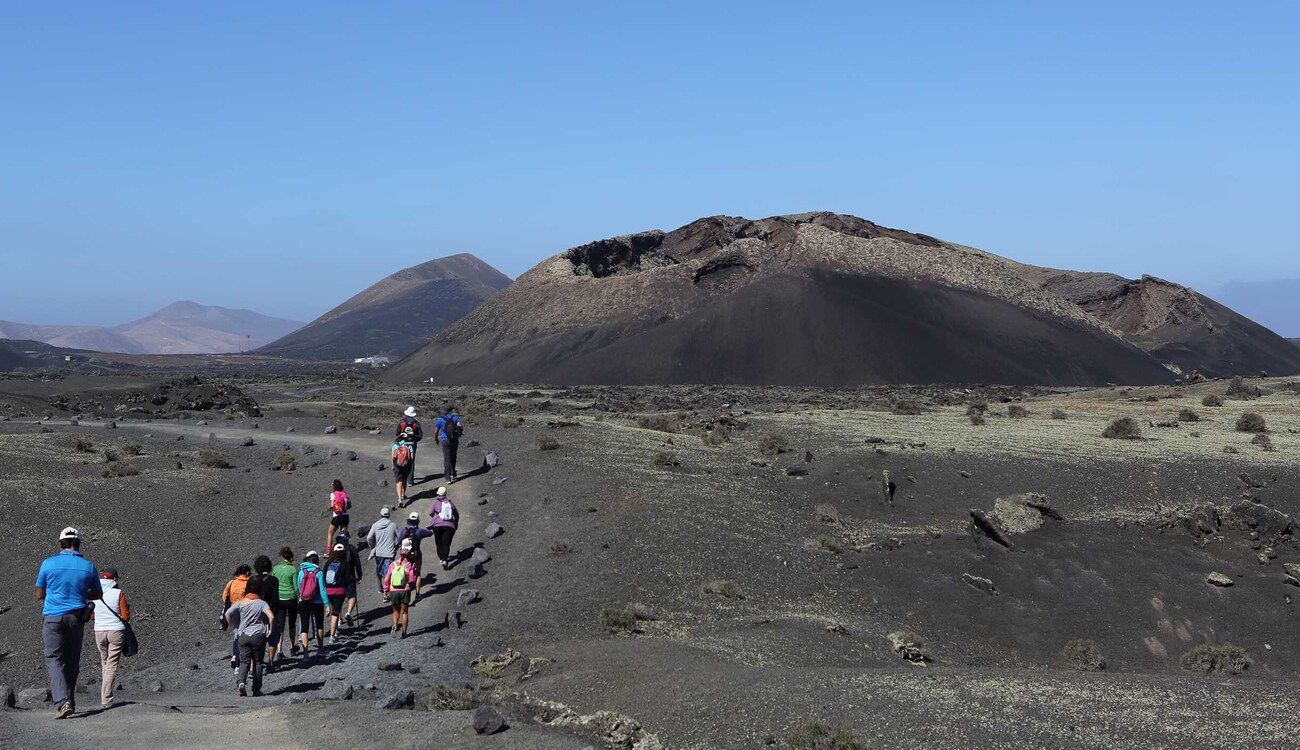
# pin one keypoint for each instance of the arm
(126, 609)
(320, 587)
(225, 595)
(40, 582)
(231, 615)
(93, 589)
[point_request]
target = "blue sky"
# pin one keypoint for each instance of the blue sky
(283, 156)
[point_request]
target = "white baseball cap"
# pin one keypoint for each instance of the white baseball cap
(415, 516)
(310, 554)
(410, 411)
(69, 533)
(407, 544)
(385, 511)
(442, 491)
(338, 548)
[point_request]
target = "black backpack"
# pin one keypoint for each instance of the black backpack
(450, 428)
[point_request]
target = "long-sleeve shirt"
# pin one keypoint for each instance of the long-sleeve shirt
(234, 590)
(309, 569)
(407, 568)
(383, 538)
(436, 513)
(415, 534)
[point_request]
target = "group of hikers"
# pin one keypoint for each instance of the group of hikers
(272, 610)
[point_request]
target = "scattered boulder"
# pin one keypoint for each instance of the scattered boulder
(32, 697)
(474, 569)
(1216, 660)
(481, 554)
(334, 452)
(491, 460)
(494, 530)
(8, 698)
(984, 525)
(1292, 571)
(467, 596)
(500, 481)
(390, 666)
(1020, 514)
(798, 470)
(487, 720)
(336, 690)
(290, 429)
(1219, 579)
(983, 584)
(909, 646)
(397, 700)
(351, 455)
(248, 442)
(331, 430)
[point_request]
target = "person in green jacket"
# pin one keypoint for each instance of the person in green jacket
(286, 609)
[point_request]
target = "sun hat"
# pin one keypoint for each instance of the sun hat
(69, 533)
(407, 544)
(415, 516)
(410, 411)
(385, 511)
(442, 491)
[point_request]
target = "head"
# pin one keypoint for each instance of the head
(336, 554)
(243, 570)
(410, 412)
(413, 519)
(385, 512)
(312, 558)
(262, 565)
(108, 574)
(442, 492)
(70, 538)
(342, 537)
(406, 548)
(338, 486)
(448, 408)
(286, 554)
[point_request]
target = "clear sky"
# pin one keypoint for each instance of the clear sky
(282, 156)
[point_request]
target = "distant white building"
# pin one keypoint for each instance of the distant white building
(373, 361)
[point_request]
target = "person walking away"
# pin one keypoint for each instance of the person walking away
(403, 457)
(340, 505)
(410, 431)
(252, 620)
(416, 533)
(66, 582)
(268, 588)
(399, 584)
(111, 615)
(337, 573)
(446, 517)
(449, 431)
(285, 609)
(312, 601)
(353, 560)
(382, 540)
(231, 595)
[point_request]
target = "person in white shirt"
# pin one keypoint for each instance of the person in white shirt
(111, 616)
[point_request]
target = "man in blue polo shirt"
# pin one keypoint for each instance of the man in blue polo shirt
(67, 582)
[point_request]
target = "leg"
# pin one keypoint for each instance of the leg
(318, 616)
(304, 625)
(406, 618)
(258, 643)
(110, 649)
(52, 648)
(247, 660)
(448, 461)
(73, 637)
(455, 444)
(401, 491)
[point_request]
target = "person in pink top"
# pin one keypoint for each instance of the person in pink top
(340, 504)
(399, 582)
(445, 519)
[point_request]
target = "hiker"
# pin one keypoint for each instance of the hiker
(310, 582)
(252, 619)
(285, 609)
(231, 595)
(415, 532)
(445, 519)
(111, 616)
(410, 431)
(399, 585)
(338, 574)
(340, 504)
(403, 457)
(353, 562)
(267, 587)
(66, 583)
(382, 540)
(449, 431)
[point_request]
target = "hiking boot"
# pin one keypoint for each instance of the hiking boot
(64, 710)
(234, 662)
(347, 619)
(243, 690)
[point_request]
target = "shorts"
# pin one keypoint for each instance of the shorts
(352, 591)
(381, 566)
(402, 473)
(336, 603)
(340, 521)
(399, 597)
(309, 615)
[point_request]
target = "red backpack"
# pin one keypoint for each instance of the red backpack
(309, 591)
(401, 455)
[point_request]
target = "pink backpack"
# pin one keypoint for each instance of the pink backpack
(339, 502)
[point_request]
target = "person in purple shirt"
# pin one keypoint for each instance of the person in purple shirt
(66, 583)
(416, 533)
(445, 519)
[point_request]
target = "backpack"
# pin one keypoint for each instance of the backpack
(451, 426)
(332, 573)
(338, 502)
(447, 512)
(401, 455)
(398, 578)
(407, 424)
(308, 591)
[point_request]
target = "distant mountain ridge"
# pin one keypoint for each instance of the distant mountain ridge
(182, 327)
(398, 314)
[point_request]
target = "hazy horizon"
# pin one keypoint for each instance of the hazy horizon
(282, 159)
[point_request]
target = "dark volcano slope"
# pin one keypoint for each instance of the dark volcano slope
(398, 314)
(1175, 324)
(825, 329)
